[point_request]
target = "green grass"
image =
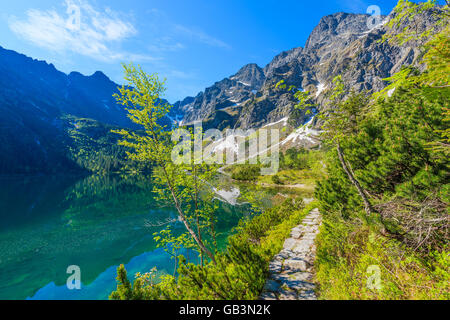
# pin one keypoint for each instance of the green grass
(351, 253)
(245, 172)
(292, 177)
(297, 167)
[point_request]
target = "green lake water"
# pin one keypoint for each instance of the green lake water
(96, 223)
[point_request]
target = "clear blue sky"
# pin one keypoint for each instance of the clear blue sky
(192, 43)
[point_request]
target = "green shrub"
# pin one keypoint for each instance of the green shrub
(246, 172)
(351, 253)
(276, 179)
(241, 270)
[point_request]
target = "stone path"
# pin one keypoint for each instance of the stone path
(291, 271)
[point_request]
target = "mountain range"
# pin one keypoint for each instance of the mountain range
(341, 44)
(56, 122)
(45, 113)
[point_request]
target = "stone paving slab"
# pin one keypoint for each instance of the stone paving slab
(291, 270)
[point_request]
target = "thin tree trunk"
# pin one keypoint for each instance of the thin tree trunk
(175, 268)
(186, 224)
(177, 204)
(348, 170)
(196, 211)
(213, 232)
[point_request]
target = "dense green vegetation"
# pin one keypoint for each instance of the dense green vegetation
(393, 151)
(384, 196)
(245, 172)
(93, 147)
(299, 166)
(239, 272)
(80, 145)
(296, 166)
(295, 159)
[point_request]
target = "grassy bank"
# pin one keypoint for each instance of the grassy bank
(355, 261)
(298, 173)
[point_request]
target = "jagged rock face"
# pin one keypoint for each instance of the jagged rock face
(331, 29)
(227, 94)
(250, 76)
(341, 44)
(283, 59)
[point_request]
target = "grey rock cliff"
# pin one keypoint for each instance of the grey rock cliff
(227, 95)
(341, 44)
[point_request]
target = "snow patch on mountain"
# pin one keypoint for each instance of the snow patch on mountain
(303, 133)
(284, 121)
(320, 88)
(231, 142)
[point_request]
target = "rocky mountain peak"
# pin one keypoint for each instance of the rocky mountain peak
(336, 25)
(222, 101)
(98, 75)
(251, 75)
(282, 59)
(341, 44)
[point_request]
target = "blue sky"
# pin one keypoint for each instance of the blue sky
(193, 43)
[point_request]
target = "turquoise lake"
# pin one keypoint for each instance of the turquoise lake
(96, 223)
